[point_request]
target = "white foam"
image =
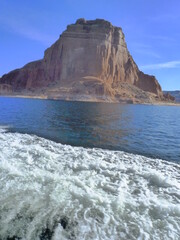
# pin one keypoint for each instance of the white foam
(100, 194)
(4, 128)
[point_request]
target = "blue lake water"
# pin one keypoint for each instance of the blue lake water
(74, 170)
(143, 129)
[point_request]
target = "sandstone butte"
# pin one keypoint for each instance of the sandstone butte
(89, 62)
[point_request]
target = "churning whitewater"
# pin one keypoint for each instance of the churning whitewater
(54, 191)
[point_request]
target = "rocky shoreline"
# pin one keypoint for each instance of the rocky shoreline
(91, 100)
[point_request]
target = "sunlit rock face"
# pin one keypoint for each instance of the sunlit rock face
(90, 61)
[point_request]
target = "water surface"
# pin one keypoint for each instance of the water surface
(55, 186)
(143, 129)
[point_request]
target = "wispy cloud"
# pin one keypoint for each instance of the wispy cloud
(147, 52)
(144, 49)
(24, 29)
(161, 38)
(164, 17)
(34, 34)
(171, 64)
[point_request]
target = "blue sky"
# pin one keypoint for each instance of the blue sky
(151, 28)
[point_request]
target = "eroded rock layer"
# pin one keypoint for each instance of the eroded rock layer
(90, 61)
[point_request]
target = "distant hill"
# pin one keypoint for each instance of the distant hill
(175, 94)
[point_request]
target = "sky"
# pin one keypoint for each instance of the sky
(151, 28)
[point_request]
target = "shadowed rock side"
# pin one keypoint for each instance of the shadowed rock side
(90, 61)
(174, 94)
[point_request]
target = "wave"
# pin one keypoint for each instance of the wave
(54, 191)
(4, 128)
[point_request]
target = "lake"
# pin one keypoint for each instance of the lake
(77, 170)
(143, 129)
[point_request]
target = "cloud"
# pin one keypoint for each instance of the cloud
(165, 65)
(144, 49)
(34, 34)
(147, 52)
(26, 30)
(164, 17)
(161, 38)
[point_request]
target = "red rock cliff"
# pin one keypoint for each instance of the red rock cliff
(90, 60)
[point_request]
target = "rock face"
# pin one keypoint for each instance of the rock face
(90, 61)
(5, 88)
(174, 94)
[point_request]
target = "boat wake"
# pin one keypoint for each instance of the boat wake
(54, 191)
